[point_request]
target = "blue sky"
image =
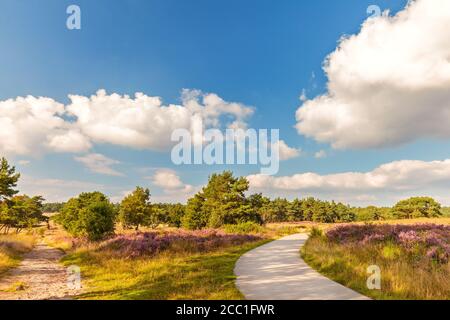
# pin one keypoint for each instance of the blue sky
(258, 53)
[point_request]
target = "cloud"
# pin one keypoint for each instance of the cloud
(173, 187)
(31, 126)
(320, 154)
(55, 190)
(24, 162)
(118, 197)
(167, 179)
(143, 122)
(395, 179)
(286, 152)
(388, 84)
(99, 163)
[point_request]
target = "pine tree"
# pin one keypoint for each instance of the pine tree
(8, 180)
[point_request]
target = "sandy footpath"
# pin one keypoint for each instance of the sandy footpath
(39, 277)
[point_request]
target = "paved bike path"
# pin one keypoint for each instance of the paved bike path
(275, 271)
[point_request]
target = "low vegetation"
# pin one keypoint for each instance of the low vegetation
(162, 265)
(90, 215)
(141, 250)
(12, 248)
(414, 259)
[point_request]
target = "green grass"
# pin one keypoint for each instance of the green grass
(12, 248)
(166, 276)
(401, 278)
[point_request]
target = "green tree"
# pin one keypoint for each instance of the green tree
(322, 212)
(89, 215)
(308, 206)
(21, 212)
(258, 201)
(275, 211)
(175, 213)
(222, 201)
(417, 207)
(135, 209)
(371, 213)
(343, 213)
(8, 180)
(295, 211)
(195, 218)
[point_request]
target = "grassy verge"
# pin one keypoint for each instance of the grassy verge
(405, 274)
(183, 271)
(12, 247)
(179, 276)
(57, 238)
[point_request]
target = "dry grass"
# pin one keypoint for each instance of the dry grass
(166, 276)
(403, 276)
(443, 220)
(57, 238)
(12, 247)
(276, 230)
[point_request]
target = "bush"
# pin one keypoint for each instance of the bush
(243, 228)
(52, 207)
(89, 215)
(315, 233)
(152, 243)
(423, 241)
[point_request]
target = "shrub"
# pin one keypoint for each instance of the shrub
(182, 241)
(243, 228)
(421, 240)
(391, 251)
(89, 215)
(52, 207)
(315, 233)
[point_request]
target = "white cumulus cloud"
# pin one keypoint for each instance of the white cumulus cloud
(167, 179)
(143, 122)
(30, 126)
(99, 163)
(286, 152)
(387, 85)
(399, 178)
(174, 189)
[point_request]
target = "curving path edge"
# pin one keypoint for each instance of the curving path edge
(275, 271)
(41, 275)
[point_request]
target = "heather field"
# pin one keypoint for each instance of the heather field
(414, 258)
(164, 264)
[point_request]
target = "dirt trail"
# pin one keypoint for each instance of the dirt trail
(39, 275)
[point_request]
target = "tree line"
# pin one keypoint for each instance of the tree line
(17, 211)
(223, 201)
